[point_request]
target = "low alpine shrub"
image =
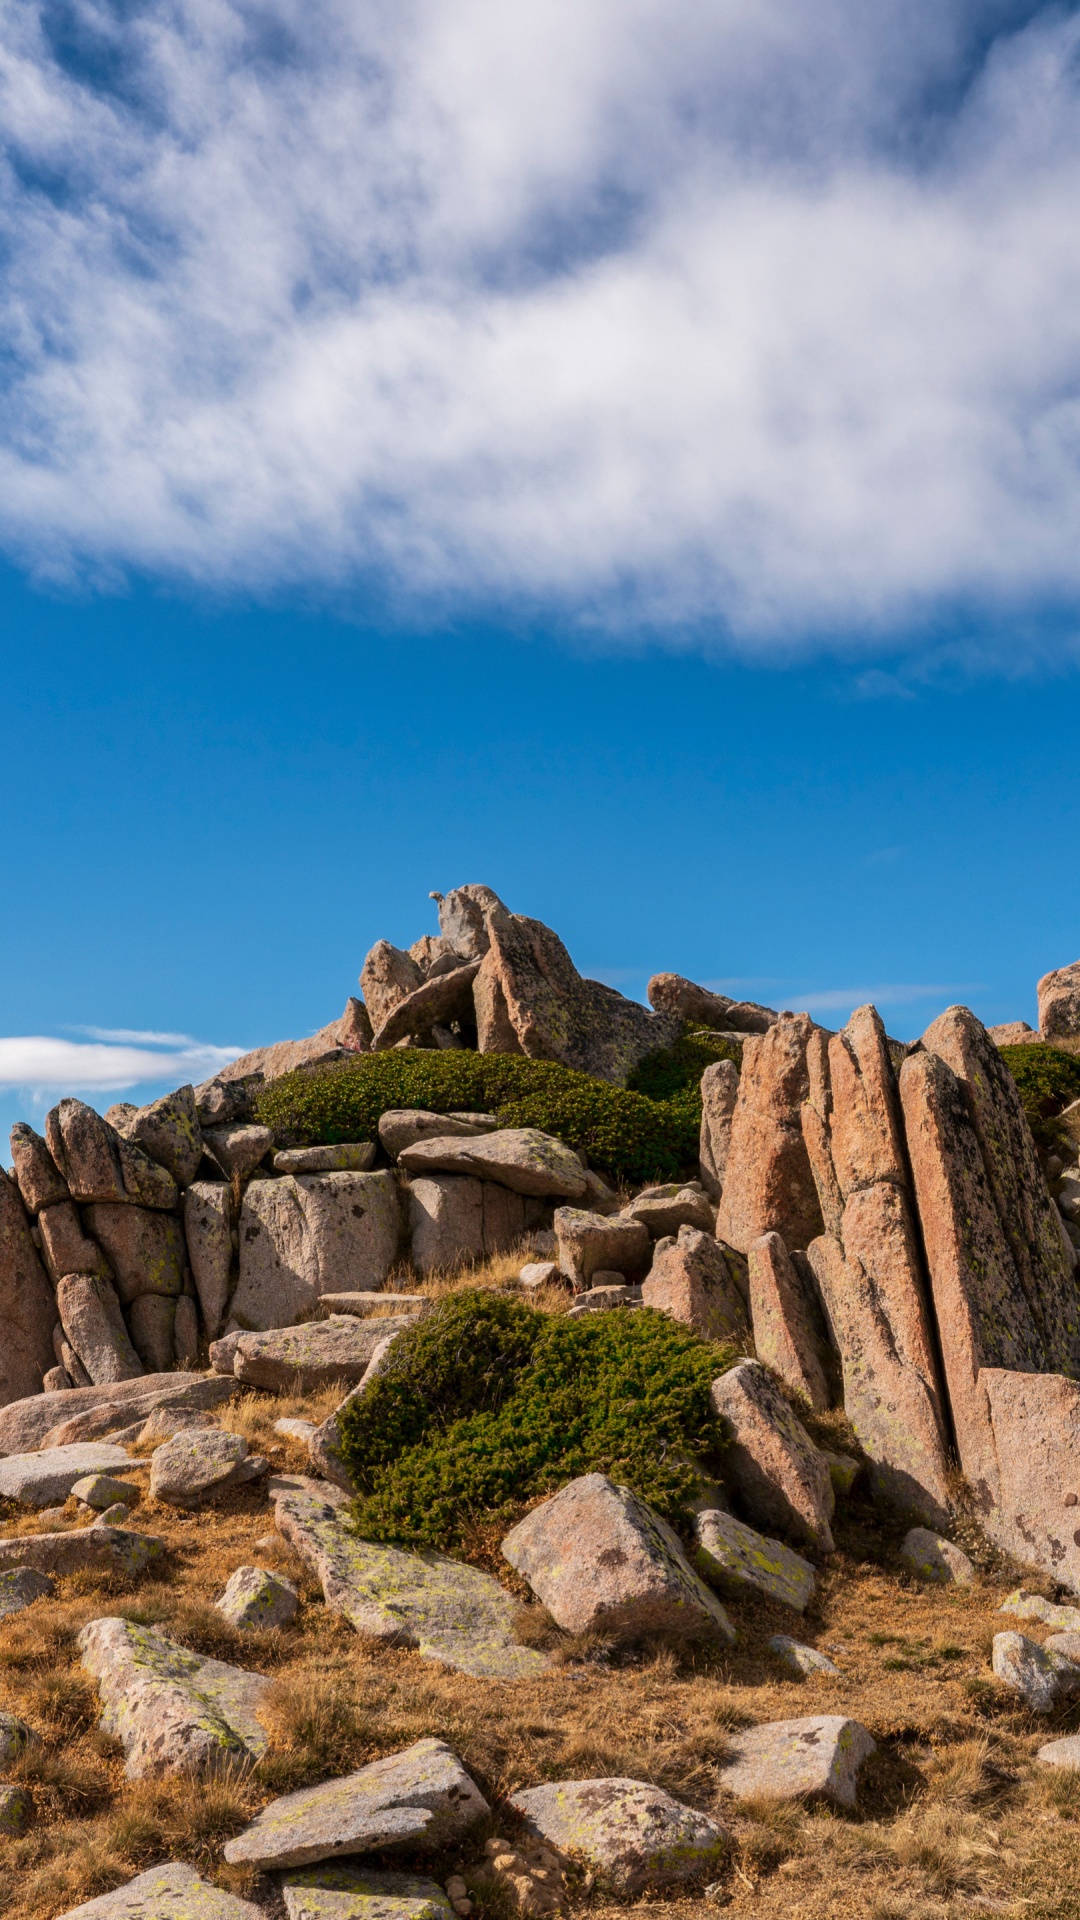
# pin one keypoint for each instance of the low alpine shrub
(487, 1403)
(1048, 1080)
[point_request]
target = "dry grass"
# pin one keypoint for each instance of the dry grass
(955, 1816)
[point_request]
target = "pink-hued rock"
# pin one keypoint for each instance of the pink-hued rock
(167, 1130)
(719, 1093)
(65, 1248)
(435, 1002)
(671, 993)
(772, 1464)
(865, 1135)
(217, 1098)
(1022, 1198)
(40, 1181)
(983, 1316)
(1034, 1421)
(596, 1554)
(630, 1833)
(27, 1308)
(690, 1280)
(1013, 1033)
(98, 1165)
(387, 977)
(144, 1247)
(768, 1183)
(593, 1242)
(94, 1325)
(813, 1759)
(787, 1336)
(1059, 1003)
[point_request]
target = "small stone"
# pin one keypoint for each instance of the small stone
(419, 1799)
(804, 1660)
(732, 1555)
(255, 1598)
(16, 1810)
(172, 1710)
(456, 1888)
(238, 1150)
(813, 1759)
(40, 1479)
(595, 1554)
(100, 1490)
(601, 1299)
(196, 1465)
(1061, 1753)
(56, 1380)
(301, 1430)
(1032, 1606)
(934, 1558)
(349, 1156)
(330, 1892)
(540, 1273)
(20, 1587)
(1040, 1678)
(630, 1833)
(15, 1736)
(169, 1892)
(116, 1516)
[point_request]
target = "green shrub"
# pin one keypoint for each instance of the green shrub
(486, 1404)
(675, 1073)
(1048, 1080)
(631, 1135)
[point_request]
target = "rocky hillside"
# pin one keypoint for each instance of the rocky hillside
(501, 1453)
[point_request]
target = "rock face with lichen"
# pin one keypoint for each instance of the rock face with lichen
(172, 1710)
(631, 1834)
(768, 1184)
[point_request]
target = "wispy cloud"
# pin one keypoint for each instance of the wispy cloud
(588, 309)
(833, 999)
(40, 1063)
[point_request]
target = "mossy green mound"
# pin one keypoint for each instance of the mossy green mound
(645, 1132)
(486, 1404)
(1048, 1080)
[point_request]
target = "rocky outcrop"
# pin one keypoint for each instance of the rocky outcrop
(98, 1164)
(437, 1002)
(27, 1310)
(719, 1095)
(591, 1243)
(768, 1184)
(45, 1479)
(94, 1325)
(300, 1235)
(208, 1236)
(1059, 1003)
(772, 1464)
(690, 1280)
(387, 977)
(167, 1130)
(145, 1249)
(788, 1335)
(1034, 1433)
(40, 1181)
(47, 1419)
(671, 993)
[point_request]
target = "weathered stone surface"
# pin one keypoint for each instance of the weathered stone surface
(170, 1892)
(15, 1737)
(20, 1587)
(40, 1182)
(540, 1273)
(599, 1299)
(208, 1235)
(256, 1598)
(92, 1320)
(1013, 1033)
(892, 1406)
(463, 916)
(521, 1158)
(172, 1710)
(630, 1833)
(16, 1810)
(933, 1558)
(1059, 1003)
(114, 1548)
(194, 1466)
(28, 1424)
(56, 1379)
(1040, 1677)
(719, 1093)
(402, 1127)
(151, 1321)
(865, 1133)
(302, 1430)
(447, 1610)
(787, 1334)
(42, 1479)
(1035, 1428)
(768, 1183)
(443, 997)
(772, 1463)
(690, 1281)
(416, 1800)
(800, 1659)
(596, 1553)
(238, 1149)
(664, 1213)
(813, 1759)
(1032, 1606)
(98, 1165)
(70, 1364)
(349, 1156)
(303, 1359)
(387, 977)
(733, 1557)
(27, 1310)
(303, 1236)
(224, 1100)
(358, 1893)
(145, 1249)
(1061, 1753)
(455, 1220)
(65, 1247)
(167, 1130)
(530, 998)
(166, 1421)
(588, 1242)
(671, 993)
(98, 1490)
(223, 1351)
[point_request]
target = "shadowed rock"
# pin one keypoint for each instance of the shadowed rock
(27, 1310)
(773, 1465)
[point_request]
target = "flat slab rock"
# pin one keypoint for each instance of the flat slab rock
(446, 1610)
(597, 1552)
(357, 1893)
(43, 1479)
(730, 1554)
(630, 1833)
(320, 1354)
(172, 1710)
(20, 1587)
(1032, 1606)
(25, 1424)
(199, 1463)
(521, 1158)
(814, 1759)
(70, 1551)
(170, 1892)
(419, 1799)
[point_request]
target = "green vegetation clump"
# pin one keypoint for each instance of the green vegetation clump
(1048, 1081)
(486, 1404)
(633, 1135)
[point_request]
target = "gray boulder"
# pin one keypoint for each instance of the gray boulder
(145, 1248)
(328, 1892)
(455, 1220)
(167, 1130)
(172, 1710)
(238, 1149)
(20, 1587)
(91, 1318)
(670, 1208)
(169, 1892)
(208, 1235)
(303, 1359)
(40, 1182)
(521, 1158)
(402, 1127)
(305, 1235)
(812, 1759)
(198, 1464)
(113, 1549)
(934, 1558)
(255, 1598)
(588, 1242)
(732, 1556)
(630, 1833)
(42, 1479)
(349, 1156)
(1039, 1675)
(805, 1661)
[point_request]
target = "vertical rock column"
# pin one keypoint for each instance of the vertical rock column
(768, 1184)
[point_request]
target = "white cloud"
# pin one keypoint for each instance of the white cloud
(760, 315)
(839, 998)
(42, 1063)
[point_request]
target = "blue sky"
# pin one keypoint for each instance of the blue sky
(632, 459)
